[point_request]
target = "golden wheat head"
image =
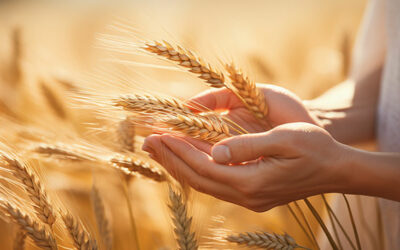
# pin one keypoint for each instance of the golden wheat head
(264, 240)
(33, 187)
(187, 59)
(34, 229)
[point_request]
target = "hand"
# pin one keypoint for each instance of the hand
(284, 107)
(287, 163)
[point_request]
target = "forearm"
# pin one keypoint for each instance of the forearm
(372, 174)
(348, 112)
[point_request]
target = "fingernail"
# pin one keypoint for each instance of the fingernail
(221, 153)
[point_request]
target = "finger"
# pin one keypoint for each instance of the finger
(214, 99)
(185, 175)
(247, 147)
(199, 144)
(148, 142)
(202, 163)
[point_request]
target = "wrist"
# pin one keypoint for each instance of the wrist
(357, 175)
(346, 170)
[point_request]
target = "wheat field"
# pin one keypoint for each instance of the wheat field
(83, 83)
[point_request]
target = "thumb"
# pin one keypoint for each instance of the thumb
(247, 147)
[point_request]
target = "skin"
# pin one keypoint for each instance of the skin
(303, 155)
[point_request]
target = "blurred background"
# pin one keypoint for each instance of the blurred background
(304, 46)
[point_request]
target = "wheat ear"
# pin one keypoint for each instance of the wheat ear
(187, 59)
(101, 219)
(151, 104)
(248, 92)
(78, 233)
(19, 240)
(200, 127)
(34, 229)
(126, 135)
(33, 187)
(264, 240)
(60, 151)
(135, 165)
(185, 238)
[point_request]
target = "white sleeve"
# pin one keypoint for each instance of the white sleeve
(370, 47)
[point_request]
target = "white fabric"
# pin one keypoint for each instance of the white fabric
(389, 116)
(378, 42)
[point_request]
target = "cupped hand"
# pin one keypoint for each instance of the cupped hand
(284, 107)
(257, 171)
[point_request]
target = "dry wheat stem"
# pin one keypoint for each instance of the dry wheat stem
(248, 92)
(151, 104)
(19, 240)
(185, 238)
(33, 187)
(34, 229)
(264, 240)
(82, 240)
(136, 165)
(16, 70)
(200, 127)
(126, 135)
(187, 59)
(53, 101)
(101, 219)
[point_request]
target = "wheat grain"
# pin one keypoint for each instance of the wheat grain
(78, 233)
(187, 59)
(151, 104)
(33, 187)
(19, 240)
(101, 219)
(136, 165)
(201, 127)
(126, 135)
(185, 238)
(248, 92)
(37, 232)
(264, 240)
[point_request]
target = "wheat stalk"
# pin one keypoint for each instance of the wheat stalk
(126, 135)
(37, 232)
(33, 187)
(248, 92)
(19, 240)
(264, 240)
(136, 165)
(187, 59)
(53, 101)
(101, 219)
(200, 127)
(16, 70)
(78, 233)
(185, 238)
(151, 104)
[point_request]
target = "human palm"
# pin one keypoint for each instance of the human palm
(284, 107)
